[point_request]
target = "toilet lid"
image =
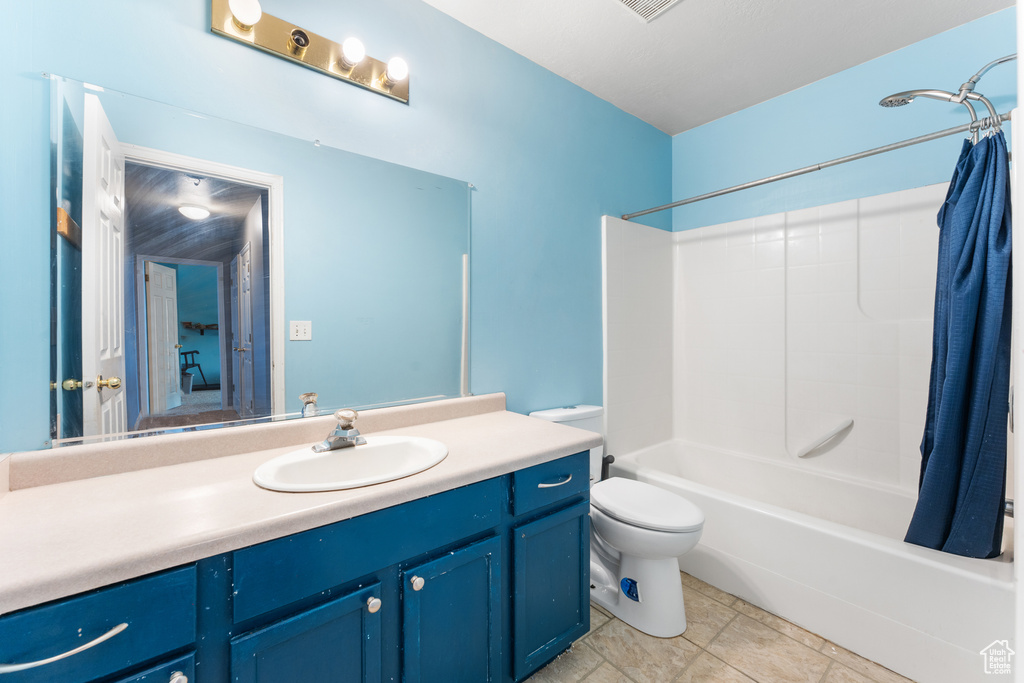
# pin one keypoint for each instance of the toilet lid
(645, 505)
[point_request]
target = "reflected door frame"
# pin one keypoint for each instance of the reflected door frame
(143, 332)
(274, 185)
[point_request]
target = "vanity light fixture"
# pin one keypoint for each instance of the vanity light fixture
(245, 22)
(193, 212)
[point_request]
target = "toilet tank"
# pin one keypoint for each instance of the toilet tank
(586, 417)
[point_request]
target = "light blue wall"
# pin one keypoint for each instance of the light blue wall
(547, 160)
(837, 116)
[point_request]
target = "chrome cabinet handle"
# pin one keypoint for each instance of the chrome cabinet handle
(417, 583)
(557, 483)
(373, 605)
(11, 668)
(178, 677)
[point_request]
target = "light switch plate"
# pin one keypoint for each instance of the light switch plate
(300, 330)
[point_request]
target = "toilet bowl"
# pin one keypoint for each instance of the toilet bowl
(637, 533)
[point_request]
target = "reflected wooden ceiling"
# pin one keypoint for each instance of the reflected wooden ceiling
(153, 196)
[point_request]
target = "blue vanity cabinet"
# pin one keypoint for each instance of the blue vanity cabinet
(452, 616)
(338, 642)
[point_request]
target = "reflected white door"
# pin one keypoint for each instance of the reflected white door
(104, 407)
(162, 333)
(244, 349)
(236, 366)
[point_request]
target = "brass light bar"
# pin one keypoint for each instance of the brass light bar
(298, 45)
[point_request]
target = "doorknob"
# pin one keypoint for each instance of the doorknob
(112, 383)
(71, 384)
(417, 583)
(177, 346)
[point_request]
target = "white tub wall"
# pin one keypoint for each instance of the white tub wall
(787, 324)
(637, 335)
(730, 336)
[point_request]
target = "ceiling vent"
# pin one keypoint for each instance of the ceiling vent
(648, 9)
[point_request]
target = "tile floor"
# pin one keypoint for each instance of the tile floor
(727, 640)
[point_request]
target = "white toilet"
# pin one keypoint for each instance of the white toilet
(637, 533)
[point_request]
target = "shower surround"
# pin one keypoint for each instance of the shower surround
(730, 349)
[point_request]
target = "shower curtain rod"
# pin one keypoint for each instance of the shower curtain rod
(974, 125)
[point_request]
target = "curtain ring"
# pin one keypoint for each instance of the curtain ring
(974, 128)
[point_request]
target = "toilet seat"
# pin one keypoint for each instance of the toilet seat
(646, 506)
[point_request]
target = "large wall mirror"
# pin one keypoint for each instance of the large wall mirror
(209, 273)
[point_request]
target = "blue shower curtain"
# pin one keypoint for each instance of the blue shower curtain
(963, 467)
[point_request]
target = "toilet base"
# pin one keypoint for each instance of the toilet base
(659, 610)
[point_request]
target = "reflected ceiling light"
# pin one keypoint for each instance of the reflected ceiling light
(352, 52)
(193, 212)
(245, 13)
(397, 71)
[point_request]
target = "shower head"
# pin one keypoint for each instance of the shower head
(896, 101)
(902, 98)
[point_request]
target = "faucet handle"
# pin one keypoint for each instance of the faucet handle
(346, 417)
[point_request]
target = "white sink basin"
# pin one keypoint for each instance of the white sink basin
(380, 459)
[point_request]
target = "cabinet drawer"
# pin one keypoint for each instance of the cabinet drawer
(160, 613)
(550, 482)
(277, 573)
(161, 673)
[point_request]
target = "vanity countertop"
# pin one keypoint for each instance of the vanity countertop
(65, 538)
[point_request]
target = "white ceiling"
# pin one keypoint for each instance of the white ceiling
(734, 53)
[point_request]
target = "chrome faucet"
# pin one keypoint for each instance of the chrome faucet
(344, 435)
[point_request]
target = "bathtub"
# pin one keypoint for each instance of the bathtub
(827, 553)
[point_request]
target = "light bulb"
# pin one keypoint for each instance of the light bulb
(196, 213)
(352, 52)
(245, 13)
(397, 71)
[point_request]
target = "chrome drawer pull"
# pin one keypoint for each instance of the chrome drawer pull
(11, 668)
(560, 483)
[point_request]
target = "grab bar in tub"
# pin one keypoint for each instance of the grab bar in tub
(818, 443)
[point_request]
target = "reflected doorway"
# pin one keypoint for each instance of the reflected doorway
(199, 303)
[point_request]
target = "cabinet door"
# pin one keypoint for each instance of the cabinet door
(338, 642)
(551, 561)
(451, 630)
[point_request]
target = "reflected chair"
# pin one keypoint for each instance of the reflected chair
(188, 360)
